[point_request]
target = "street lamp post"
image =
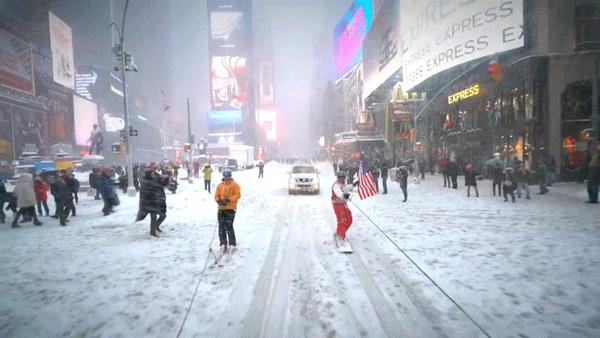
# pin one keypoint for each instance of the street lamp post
(119, 50)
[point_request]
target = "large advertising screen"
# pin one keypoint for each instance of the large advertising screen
(381, 48)
(439, 35)
(349, 35)
(227, 30)
(60, 117)
(85, 115)
(229, 82)
(267, 119)
(266, 97)
(228, 117)
(16, 63)
(61, 44)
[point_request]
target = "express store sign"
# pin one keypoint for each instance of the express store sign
(464, 94)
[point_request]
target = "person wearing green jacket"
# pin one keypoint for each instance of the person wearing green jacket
(207, 171)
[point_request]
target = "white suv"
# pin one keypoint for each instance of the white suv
(304, 178)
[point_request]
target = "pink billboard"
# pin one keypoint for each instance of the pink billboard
(349, 35)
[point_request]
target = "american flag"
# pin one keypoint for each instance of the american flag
(366, 182)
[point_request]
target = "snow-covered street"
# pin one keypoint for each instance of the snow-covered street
(525, 269)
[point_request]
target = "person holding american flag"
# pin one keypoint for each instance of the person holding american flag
(340, 194)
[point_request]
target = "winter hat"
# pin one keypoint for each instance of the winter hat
(227, 174)
(340, 174)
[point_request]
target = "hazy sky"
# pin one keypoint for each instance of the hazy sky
(169, 42)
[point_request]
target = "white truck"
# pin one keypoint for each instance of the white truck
(240, 156)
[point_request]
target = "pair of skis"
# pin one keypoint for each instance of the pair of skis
(222, 256)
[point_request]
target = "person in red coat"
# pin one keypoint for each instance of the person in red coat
(41, 195)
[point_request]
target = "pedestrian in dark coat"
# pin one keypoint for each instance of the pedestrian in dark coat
(384, 176)
(509, 183)
(93, 180)
(153, 199)
(73, 185)
(471, 179)
(453, 173)
(63, 196)
(523, 177)
(109, 196)
(403, 181)
(593, 181)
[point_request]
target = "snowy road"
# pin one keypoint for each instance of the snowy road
(527, 269)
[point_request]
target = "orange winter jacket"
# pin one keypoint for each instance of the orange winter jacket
(228, 189)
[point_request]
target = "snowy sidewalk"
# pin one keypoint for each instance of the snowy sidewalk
(529, 268)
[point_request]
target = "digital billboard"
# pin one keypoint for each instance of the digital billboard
(439, 35)
(16, 63)
(266, 97)
(61, 44)
(267, 119)
(382, 48)
(349, 34)
(219, 117)
(229, 82)
(85, 115)
(227, 30)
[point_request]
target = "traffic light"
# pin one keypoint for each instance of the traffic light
(132, 132)
(116, 148)
(187, 147)
(494, 70)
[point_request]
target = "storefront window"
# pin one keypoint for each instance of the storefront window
(587, 21)
(528, 106)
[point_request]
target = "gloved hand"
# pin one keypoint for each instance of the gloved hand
(355, 183)
(347, 196)
(223, 201)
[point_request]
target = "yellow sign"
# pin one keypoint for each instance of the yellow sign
(64, 164)
(464, 94)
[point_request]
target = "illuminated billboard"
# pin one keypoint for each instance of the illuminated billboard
(217, 117)
(229, 82)
(227, 30)
(382, 49)
(438, 36)
(85, 115)
(349, 35)
(61, 44)
(267, 119)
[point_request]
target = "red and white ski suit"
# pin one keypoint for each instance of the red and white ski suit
(340, 207)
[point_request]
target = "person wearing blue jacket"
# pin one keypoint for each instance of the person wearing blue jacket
(107, 191)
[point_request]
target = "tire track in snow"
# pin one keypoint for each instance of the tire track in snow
(384, 310)
(253, 323)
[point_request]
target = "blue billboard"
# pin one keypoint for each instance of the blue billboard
(220, 117)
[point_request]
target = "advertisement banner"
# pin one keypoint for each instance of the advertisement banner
(31, 130)
(6, 137)
(216, 117)
(16, 63)
(229, 82)
(439, 35)
(267, 119)
(61, 44)
(265, 84)
(381, 48)
(85, 115)
(349, 34)
(228, 31)
(85, 79)
(60, 117)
